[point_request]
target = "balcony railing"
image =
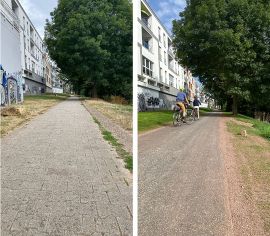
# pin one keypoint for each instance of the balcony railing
(146, 23)
(170, 51)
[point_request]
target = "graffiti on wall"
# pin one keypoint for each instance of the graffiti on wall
(11, 90)
(147, 102)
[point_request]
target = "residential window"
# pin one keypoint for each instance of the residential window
(147, 67)
(23, 23)
(159, 35)
(164, 40)
(165, 58)
(160, 55)
(160, 74)
(171, 82)
(146, 44)
(33, 66)
(166, 77)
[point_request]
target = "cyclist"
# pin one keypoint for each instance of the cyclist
(181, 99)
(196, 105)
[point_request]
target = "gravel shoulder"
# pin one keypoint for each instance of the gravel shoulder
(245, 218)
(124, 136)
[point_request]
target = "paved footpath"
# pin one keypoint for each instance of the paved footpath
(59, 177)
(182, 191)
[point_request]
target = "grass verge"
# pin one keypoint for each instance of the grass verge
(260, 128)
(126, 156)
(120, 114)
(31, 107)
(253, 158)
(153, 119)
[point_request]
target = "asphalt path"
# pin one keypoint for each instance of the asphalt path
(182, 188)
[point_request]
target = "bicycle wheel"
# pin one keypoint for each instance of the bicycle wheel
(189, 119)
(176, 119)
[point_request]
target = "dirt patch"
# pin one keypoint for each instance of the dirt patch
(247, 124)
(17, 115)
(120, 114)
(245, 217)
(12, 111)
(124, 136)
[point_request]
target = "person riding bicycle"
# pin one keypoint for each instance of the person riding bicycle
(181, 99)
(196, 105)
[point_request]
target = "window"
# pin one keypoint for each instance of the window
(146, 43)
(25, 60)
(164, 40)
(166, 77)
(159, 35)
(171, 80)
(33, 66)
(161, 75)
(23, 23)
(165, 59)
(160, 55)
(147, 67)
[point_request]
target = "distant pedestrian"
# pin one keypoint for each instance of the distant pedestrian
(196, 106)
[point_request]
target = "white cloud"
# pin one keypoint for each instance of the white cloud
(37, 13)
(169, 10)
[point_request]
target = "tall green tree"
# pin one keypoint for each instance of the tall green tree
(226, 44)
(91, 42)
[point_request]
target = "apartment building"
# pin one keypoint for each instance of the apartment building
(57, 83)
(160, 75)
(10, 50)
(23, 50)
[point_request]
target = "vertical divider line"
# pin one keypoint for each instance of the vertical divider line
(135, 118)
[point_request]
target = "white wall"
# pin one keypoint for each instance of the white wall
(10, 44)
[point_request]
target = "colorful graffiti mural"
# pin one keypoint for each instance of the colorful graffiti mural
(11, 89)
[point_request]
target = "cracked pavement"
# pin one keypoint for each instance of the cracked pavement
(60, 177)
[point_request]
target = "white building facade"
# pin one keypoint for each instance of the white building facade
(22, 49)
(160, 76)
(10, 50)
(31, 54)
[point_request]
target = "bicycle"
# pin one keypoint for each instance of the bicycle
(179, 119)
(195, 114)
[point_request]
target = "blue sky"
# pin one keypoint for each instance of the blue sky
(38, 11)
(167, 10)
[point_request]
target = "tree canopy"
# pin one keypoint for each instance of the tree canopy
(226, 43)
(91, 42)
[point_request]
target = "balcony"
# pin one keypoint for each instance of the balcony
(145, 16)
(147, 40)
(146, 23)
(170, 51)
(12, 13)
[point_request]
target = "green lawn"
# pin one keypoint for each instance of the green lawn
(46, 97)
(258, 127)
(153, 119)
